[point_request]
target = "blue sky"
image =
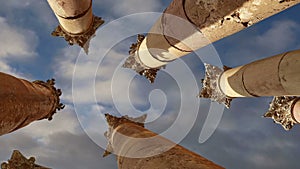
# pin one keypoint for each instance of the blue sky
(243, 138)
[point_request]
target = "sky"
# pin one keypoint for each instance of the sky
(96, 84)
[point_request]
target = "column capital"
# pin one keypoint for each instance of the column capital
(18, 161)
(211, 88)
(114, 122)
(133, 62)
(281, 111)
(49, 84)
(81, 39)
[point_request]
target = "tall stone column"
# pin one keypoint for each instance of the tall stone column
(273, 76)
(137, 147)
(18, 161)
(23, 102)
(187, 25)
(76, 19)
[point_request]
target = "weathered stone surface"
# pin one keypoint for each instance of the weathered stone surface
(22, 102)
(207, 21)
(272, 76)
(227, 17)
(129, 140)
(217, 19)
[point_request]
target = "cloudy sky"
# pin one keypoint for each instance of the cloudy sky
(96, 84)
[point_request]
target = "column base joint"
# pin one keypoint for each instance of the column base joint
(133, 62)
(211, 88)
(81, 39)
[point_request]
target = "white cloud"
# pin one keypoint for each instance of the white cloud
(64, 151)
(4, 67)
(16, 43)
(88, 75)
(63, 121)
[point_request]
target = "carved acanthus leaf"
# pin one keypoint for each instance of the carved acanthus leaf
(49, 84)
(133, 62)
(18, 161)
(114, 122)
(211, 88)
(80, 39)
(281, 111)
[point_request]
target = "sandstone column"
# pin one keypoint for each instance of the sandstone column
(76, 19)
(273, 76)
(18, 161)
(137, 147)
(187, 25)
(23, 102)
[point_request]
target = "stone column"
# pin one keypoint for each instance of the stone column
(137, 147)
(187, 25)
(273, 76)
(76, 19)
(18, 161)
(23, 102)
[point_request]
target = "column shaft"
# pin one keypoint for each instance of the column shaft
(176, 157)
(77, 24)
(274, 76)
(75, 16)
(206, 21)
(137, 147)
(22, 102)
